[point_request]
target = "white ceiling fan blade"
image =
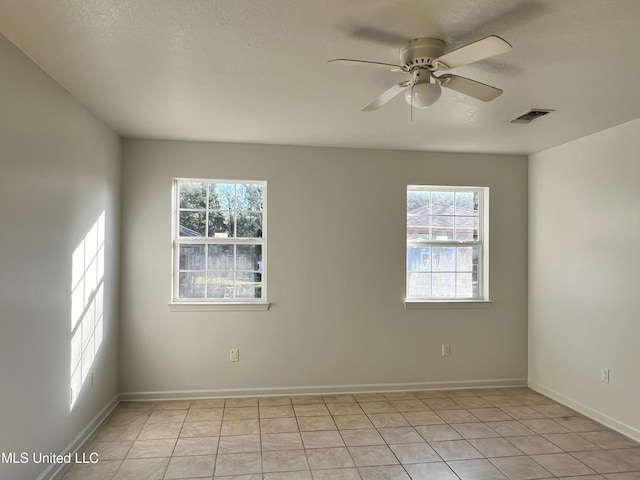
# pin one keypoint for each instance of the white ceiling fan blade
(485, 48)
(385, 96)
(474, 89)
(348, 61)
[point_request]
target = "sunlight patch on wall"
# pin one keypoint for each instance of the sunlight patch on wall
(87, 296)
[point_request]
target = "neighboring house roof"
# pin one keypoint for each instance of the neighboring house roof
(442, 218)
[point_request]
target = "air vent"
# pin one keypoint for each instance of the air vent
(531, 115)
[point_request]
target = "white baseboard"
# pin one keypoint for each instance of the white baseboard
(618, 426)
(320, 389)
(53, 470)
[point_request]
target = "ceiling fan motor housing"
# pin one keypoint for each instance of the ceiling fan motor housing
(420, 52)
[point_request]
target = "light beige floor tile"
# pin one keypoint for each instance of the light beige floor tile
(562, 465)
(160, 430)
(284, 461)
(324, 458)
(311, 424)
(204, 415)
(459, 392)
(609, 440)
(441, 403)
(302, 475)
(239, 444)
(238, 464)
(430, 394)
(311, 410)
(414, 453)
(512, 428)
(378, 407)
(400, 435)
(493, 414)
(103, 470)
(201, 429)
(351, 422)
(476, 470)
(112, 433)
(167, 416)
(623, 476)
(413, 405)
(252, 476)
(173, 405)
(629, 455)
(552, 411)
(522, 413)
(281, 441)
(278, 425)
(152, 448)
(274, 401)
(474, 430)
(603, 462)
(323, 439)
(399, 396)
(344, 408)
(307, 399)
(455, 450)
(240, 427)
(381, 420)
(368, 456)
(390, 472)
(208, 403)
(128, 418)
(369, 397)
(116, 450)
(240, 413)
(336, 474)
(584, 477)
(339, 398)
(368, 436)
(534, 445)
(456, 416)
(193, 466)
(430, 471)
(520, 468)
(276, 411)
(437, 433)
(543, 426)
(571, 442)
(143, 469)
(136, 406)
(196, 446)
(241, 402)
(494, 447)
(580, 424)
(504, 401)
(472, 402)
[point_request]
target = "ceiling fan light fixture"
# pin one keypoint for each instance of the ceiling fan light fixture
(423, 95)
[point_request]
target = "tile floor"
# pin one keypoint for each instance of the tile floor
(474, 434)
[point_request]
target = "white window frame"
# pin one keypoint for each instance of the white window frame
(482, 242)
(177, 241)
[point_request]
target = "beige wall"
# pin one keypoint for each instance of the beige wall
(59, 168)
(336, 275)
(583, 274)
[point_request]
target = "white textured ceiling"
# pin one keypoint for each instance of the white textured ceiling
(256, 71)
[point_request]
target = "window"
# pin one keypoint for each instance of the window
(219, 244)
(447, 243)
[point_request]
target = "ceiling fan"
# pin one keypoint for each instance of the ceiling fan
(422, 58)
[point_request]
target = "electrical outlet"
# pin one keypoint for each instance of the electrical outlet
(234, 355)
(446, 350)
(604, 375)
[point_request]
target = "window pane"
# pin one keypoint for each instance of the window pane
(248, 285)
(192, 224)
(467, 203)
(220, 224)
(419, 285)
(191, 257)
(220, 285)
(464, 285)
(442, 203)
(249, 224)
(419, 259)
(249, 257)
(250, 197)
(467, 228)
(442, 227)
(464, 259)
(443, 259)
(220, 257)
(444, 285)
(418, 200)
(222, 196)
(193, 194)
(191, 285)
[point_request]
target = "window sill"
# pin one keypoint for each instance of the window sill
(445, 304)
(218, 307)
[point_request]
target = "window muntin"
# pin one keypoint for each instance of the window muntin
(219, 243)
(446, 243)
